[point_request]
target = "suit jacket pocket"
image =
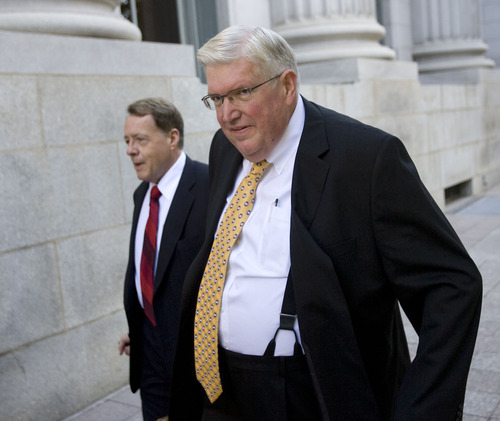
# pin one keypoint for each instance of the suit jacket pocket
(341, 248)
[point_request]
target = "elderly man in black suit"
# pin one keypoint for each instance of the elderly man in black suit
(167, 231)
(297, 317)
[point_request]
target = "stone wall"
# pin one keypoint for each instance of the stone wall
(66, 190)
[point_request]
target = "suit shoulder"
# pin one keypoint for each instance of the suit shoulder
(343, 125)
(201, 167)
(220, 143)
(352, 135)
(197, 172)
(198, 169)
(141, 190)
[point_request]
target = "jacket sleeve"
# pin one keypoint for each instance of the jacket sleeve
(435, 281)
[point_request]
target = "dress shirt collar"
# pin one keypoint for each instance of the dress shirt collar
(168, 183)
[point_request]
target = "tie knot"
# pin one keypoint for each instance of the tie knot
(155, 193)
(258, 168)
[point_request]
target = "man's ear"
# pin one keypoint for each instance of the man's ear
(174, 137)
(290, 85)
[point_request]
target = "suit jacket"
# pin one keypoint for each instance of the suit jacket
(182, 237)
(365, 235)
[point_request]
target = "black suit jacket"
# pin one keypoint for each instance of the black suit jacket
(182, 237)
(365, 235)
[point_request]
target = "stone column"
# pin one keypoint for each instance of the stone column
(85, 18)
(447, 36)
(324, 30)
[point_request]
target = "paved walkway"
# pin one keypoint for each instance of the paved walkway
(478, 224)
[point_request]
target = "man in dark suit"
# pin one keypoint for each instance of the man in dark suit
(341, 232)
(154, 136)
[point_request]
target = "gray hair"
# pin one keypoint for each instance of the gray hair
(264, 48)
(165, 115)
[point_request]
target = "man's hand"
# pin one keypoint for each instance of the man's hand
(124, 344)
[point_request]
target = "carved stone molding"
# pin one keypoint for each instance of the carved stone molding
(85, 18)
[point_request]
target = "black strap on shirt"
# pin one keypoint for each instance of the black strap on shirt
(287, 320)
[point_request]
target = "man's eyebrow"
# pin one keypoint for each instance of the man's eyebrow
(232, 90)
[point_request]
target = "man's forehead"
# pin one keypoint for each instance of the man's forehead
(227, 76)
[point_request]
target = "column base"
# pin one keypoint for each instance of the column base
(46, 54)
(451, 56)
(76, 24)
(356, 69)
(322, 42)
(471, 76)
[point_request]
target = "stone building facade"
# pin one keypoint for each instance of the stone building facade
(68, 70)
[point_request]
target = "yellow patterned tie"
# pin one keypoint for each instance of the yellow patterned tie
(206, 324)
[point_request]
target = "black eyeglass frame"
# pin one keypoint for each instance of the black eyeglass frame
(206, 98)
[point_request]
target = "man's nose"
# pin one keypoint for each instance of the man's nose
(131, 149)
(228, 111)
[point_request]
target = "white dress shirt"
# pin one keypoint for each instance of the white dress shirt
(260, 260)
(167, 186)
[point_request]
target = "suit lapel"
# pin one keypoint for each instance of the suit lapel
(310, 172)
(176, 218)
(227, 169)
(139, 196)
(315, 280)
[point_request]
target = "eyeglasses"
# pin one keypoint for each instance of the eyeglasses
(236, 96)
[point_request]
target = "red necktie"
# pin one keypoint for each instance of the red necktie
(149, 256)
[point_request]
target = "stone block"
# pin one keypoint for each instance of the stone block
(10, 387)
(429, 169)
(19, 114)
(197, 145)
(411, 129)
(95, 107)
(474, 96)
(438, 196)
(128, 180)
(450, 129)
(481, 404)
(63, 373)
(186, 95)
(31, 299)
(329, 96)
(336, 97)
(359, 99)
(396, 96)
(28, 205)
(457, 165)
(479, 184)
(429, 99)
(490, 75)
(492, 98)
(464, 76)
(317, 94)
(355, 69)
(491, 122)
(454, 97)
(86, 195)
(486, 155)
(25, 53)
(92, 269)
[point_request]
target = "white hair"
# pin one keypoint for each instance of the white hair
(266, 49)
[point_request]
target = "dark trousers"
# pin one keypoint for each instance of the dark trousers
(155, 383)
(263, 388)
